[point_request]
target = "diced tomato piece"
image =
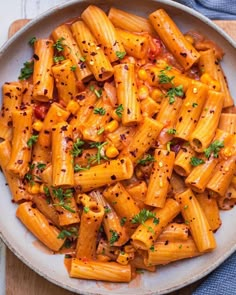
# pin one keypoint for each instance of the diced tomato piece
(41, 110)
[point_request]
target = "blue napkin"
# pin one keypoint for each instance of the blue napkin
(221, 281)
(214, 9)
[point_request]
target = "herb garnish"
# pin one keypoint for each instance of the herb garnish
(58, 45)
(119, 110)
(146, 160)
(120, 54)
(27, 70)
(171, 131)
(32, 140)
(99, 111)
(76, 149)
(32, 41)
(99, 156)
(78, 168)
(114, 236)
(194, 161)
(68, 233)
(214, 148)
(63, 198)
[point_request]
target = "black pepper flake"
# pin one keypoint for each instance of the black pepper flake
(126, 67)
(113, 177)
(36, 57)
(183, 54)
(80, 97)
(64, 128)
(180, 119)
(19, 161)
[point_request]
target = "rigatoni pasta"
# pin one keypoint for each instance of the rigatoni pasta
(120, 150)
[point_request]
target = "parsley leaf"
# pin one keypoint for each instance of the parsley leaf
(78, 168)
(99, 156)
(73, 68)
(58, 44)
(100, 131)
(163, 78)
(58, 58)
(214, 149)
(142, 216)
(99, 111)
(120, 54)
(119, 110)
(86, 209)
(63, 198)
(32, 140)
(171, 131)
(32, 41)
(152, 248)
(68, 233)
(123, 221)
(149, 158)
(173, 92)
(76, 149)
(27, 70)
(114, 236)
(194, 161)
(194, 105)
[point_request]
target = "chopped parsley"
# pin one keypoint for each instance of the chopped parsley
(32, 41)
(76, 149)
(73, 68)
(114, 236)
(214, 148)
(32, 140)
(68, 233)
(120, 54)
(152, 248)
(194, 105)
(194, 161)
(58, 58)
(164, 78)
(123, 221)
(99, 111)
(46, 191)
(58, 45)
(171, 131)
(63, 198)
(41, 166)
(173, 92)
(86, 209)
(107, 210)
(27, 70)
(100, 131)
(78, 168)
(146, 160)
(143, 216)
(99, 156)
(119, 110)
(82, 59)
(98, 92)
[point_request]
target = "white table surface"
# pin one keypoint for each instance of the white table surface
(10, 11)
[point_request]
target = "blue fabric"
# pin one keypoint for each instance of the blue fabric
(214, 9)
(221, 281)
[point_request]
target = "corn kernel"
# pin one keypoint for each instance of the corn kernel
(142, 74)
(33, 189)
(72, 107)
(103, 258)
(208, 80)
(143, 92)
(160, 164)
(37, 125)
(124, 258)
(157, 95)
(41, 189)
(160, 183)
(189, 39)
(112, 152)
(195, 90)
(162, 63)
(112, 126)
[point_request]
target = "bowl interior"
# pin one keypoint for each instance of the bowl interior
(23, 244)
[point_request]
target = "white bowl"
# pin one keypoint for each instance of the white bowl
(24, 245)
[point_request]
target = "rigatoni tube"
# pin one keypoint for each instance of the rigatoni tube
(173, 39)
(194, 216)
(21, 150)
(104, 31)
(95, 58)
(62, 158)
(124, 75)
(104, 174)
(90, 223)
(39, 226)
(160, 177)
(42, 76)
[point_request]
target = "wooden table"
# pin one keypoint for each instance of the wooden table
(20, 280)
